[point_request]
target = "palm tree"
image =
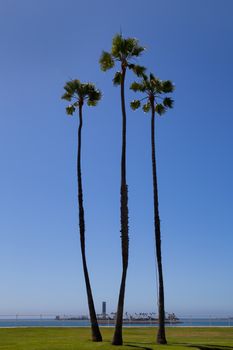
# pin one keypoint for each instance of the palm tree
(155, 89)
(79, 93)
(122, 51)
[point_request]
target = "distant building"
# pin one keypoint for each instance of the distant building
(104, 309)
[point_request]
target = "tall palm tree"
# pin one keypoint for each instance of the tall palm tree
(122, 51)
(79, 93)
(155, 89)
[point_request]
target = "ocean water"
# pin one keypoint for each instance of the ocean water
(43, 322)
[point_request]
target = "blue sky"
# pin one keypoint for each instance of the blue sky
(44, 44)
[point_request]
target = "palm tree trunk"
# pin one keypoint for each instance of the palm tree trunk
(161, 337)
(96, 335)
(117, 338)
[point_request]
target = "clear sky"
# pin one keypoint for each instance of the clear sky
(45, 43)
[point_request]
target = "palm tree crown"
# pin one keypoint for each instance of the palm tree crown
(79, 93)
(123, 50)
(154, 89)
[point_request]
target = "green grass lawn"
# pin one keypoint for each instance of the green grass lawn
(134, 338)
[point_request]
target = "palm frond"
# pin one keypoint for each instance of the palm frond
(168, 102)
(67, 96)
(167, 86)
(135, 86)
(69, 87)
(138, 70)
(137, 50)
(146, 107)
(118, 46)
(92, 103)
(72, 86)
(144, 77)
(135, 104)
(152, 77)
(76, 84)
(70, 109)
(94, 96)
(117, 79)
(84, 90)
(131, 65)
(156, 85)
(133, 47)
(106, 61)
(130, 43)
(160, 109)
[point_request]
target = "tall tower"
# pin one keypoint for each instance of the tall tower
(104, 309)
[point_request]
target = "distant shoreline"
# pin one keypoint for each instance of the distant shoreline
(18, 323)
(125, 321)
(137, 321)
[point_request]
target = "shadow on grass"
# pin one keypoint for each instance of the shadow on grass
(211, 347)
(195, 346)
(138, 346)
